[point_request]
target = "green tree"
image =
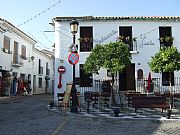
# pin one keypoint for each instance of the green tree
(114, 57)
(95, 60)
(166, 60)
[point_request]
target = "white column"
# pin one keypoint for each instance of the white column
(57, 59)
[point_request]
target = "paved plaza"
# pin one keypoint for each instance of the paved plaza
(31, 115)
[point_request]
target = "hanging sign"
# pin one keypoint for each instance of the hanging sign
(73, 58)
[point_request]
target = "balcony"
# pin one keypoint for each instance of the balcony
(133, 47)
(47, 71)
(17, 60)
(6, 51)
(40, 70)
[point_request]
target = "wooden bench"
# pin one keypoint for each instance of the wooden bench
(129, 96)
(105, 96)
(149, 102)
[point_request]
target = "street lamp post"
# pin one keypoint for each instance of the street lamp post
(74, 107)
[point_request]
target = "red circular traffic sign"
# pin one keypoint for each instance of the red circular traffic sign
(73, 58)
(61, 69)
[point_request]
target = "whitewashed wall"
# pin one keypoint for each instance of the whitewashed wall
(44, 58)
(145, 31)
(22, 39)
(29, 66)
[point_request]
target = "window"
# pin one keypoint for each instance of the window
(15, 54)
(166, 78)
(125, 35)
(47, 69)
(23, 52)
(29, 78)
(40, 68)
(140, 74)
(86, 39)
(6, 43)
(165, 36)
(85, 78)
(40, 82)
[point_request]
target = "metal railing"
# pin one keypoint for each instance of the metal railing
(141, 86)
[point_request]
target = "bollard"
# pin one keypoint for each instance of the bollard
(88, 99)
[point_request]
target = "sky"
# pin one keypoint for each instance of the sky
(33, 16)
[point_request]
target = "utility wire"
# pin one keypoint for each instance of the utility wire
(157, 28)
(47, 37)
(43, 12)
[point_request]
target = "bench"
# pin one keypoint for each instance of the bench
(105, 96)
(129, 96)
(149, 102)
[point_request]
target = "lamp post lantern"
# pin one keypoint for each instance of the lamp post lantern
(74, 107)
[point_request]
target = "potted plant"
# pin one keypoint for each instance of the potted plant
(166, 39)
(86, 39)
(134, 39)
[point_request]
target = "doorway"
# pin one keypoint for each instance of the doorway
(34, 84)
(127, 78)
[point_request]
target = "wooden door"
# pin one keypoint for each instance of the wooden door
(127, 78)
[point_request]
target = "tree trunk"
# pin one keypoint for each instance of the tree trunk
(112, 91)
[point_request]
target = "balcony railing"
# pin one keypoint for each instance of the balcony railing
(40, 70)
(17, 60)
(132, 46)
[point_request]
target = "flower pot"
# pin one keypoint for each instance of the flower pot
(116, 111)
(168, 114)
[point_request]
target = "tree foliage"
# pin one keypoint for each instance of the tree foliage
(113, 56)
(166, 60)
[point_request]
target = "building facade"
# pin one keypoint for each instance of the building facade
(43, 72)
(18, 60)
(144, 36)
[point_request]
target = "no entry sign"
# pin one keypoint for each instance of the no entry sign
(61, 69)
(73, 58)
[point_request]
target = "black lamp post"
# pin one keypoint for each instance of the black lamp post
(74, 107)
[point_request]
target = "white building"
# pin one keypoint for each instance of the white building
(19, 57)
(141, 33)
(43, 72)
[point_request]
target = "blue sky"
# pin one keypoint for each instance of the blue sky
(19, 11)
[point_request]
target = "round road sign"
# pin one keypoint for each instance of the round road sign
(73, 58)
(61, 69)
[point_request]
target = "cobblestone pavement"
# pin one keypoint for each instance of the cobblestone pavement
(30, 115)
